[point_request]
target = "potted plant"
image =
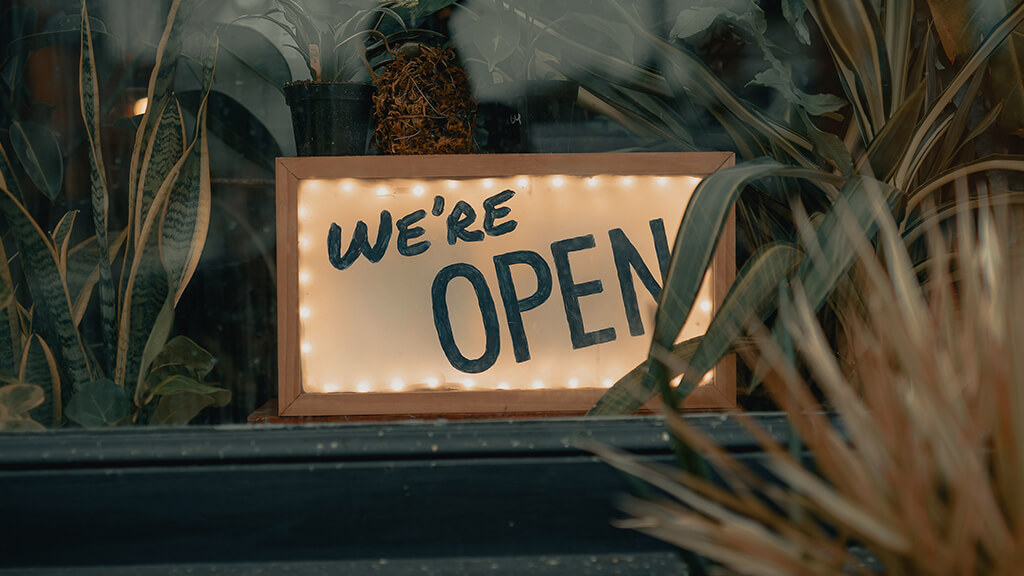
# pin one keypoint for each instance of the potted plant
(519, 89)
(331, 110)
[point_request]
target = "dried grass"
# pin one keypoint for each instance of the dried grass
(424, 104)
(927, 474)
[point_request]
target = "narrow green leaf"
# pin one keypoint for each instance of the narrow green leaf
(10, 328)
(236, 126)
(52, 305)
(751, 295)
(165, 148)
(891, 143)
(8, 179)
(99, 403)
(38, 150)
(61, 236)
(186, 215)
(39, 367)
(156, 341)
(89, 89)
(855, 39)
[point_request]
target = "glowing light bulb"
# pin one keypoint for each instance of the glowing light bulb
(431, 382)
(304, 277)
(503, 386)
(522, 182)
(487, 184)
(537, 385)
(558, 181)
(453, 184)
(304, 312)
(468, 383)
(305, 243)
(607, 383)
(383, 191)
(574, 383)
(705, 305)
(140, 106)
(627, 181)
(661, 181)
(397, 385)
(592, 182)
(348, 186)
(418, 190)
(332, 387)
(707, 378)
(364, 387)
(307, 348)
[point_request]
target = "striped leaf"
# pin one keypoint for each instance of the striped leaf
(160, 89)
(61, 236)
(51, 303)
(186, 215)
(751, 296)
(10, 328)
(39, 367)
(89, 89)
(38, 150)
(166, 146)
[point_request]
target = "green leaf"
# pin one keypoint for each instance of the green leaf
(254, 51)
(428, 7)
(19, 399)
(178, 384)
(751, 295)
(496, 37)
(236, 126)
(10, 329)
(699, 16)
(38, 150)
(182, 351)
(99, 403)
(164, 150)
(89, 91)
(794, 11)
(186, 215)
(781, 80)
(180, 408)
(51, 302)
(39, 367)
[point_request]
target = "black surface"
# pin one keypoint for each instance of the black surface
(408, 493)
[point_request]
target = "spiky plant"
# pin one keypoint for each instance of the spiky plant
(922, 471)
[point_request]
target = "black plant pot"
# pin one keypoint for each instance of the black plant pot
(329, 118)
(528, 116)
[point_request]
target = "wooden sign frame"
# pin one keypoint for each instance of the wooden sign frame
(720, 393)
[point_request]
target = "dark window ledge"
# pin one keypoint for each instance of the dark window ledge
(304, 497)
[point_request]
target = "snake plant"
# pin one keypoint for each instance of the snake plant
(129, 370)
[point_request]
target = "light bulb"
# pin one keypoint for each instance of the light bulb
(418, 190)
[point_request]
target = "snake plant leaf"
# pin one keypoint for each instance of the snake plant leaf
(10, 328)
(52, 305)
(185, 219)
(855, 39)
(38, 150)
(39, 367)
(165, 148)
(254, 51)
(751, 295)
(99, 403)
(892, 141)
(160, 89)
(89, 91)
(61, 238)
(156, 341)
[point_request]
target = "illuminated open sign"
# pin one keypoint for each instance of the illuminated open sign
(480, 284)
